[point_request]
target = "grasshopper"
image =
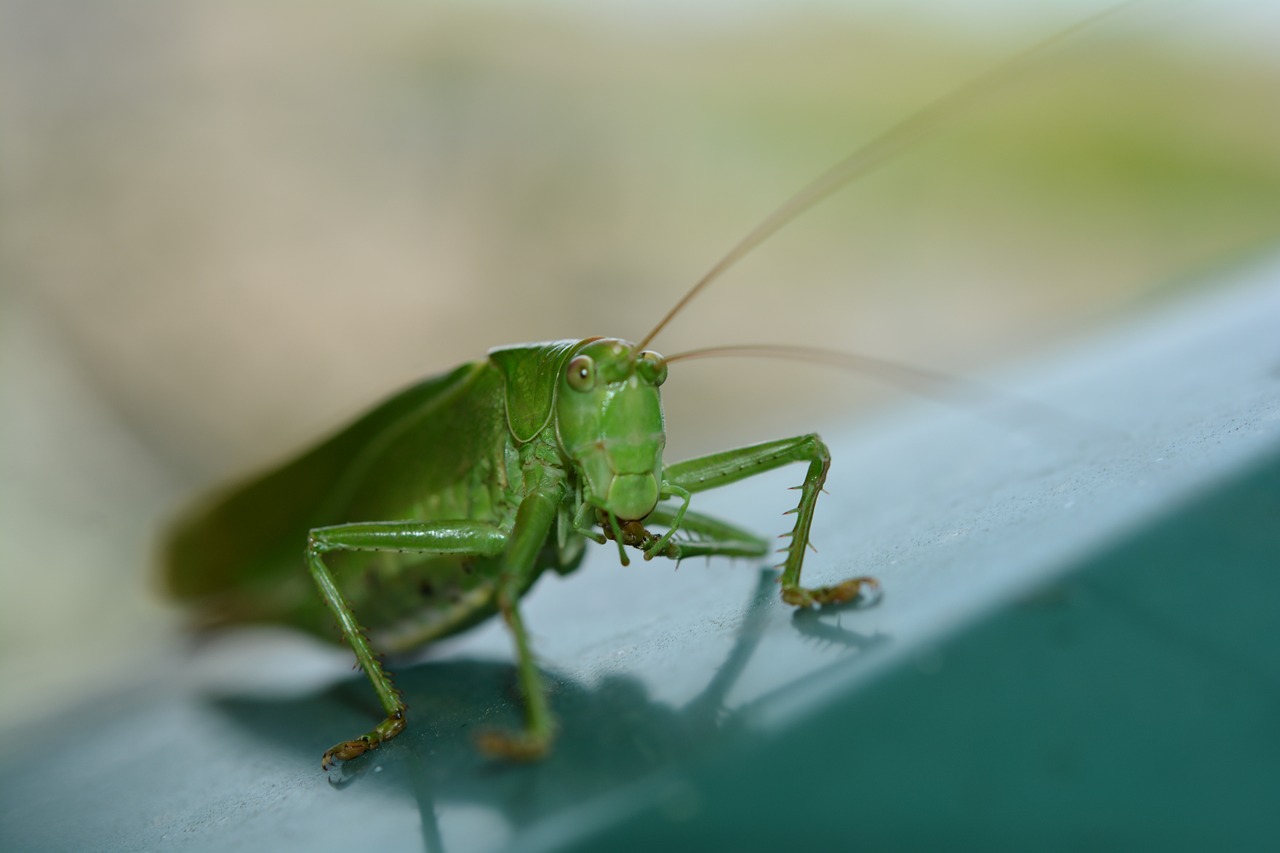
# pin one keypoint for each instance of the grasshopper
(444, 504)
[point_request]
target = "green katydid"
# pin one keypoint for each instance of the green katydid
(545, 445)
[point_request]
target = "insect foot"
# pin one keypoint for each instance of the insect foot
(867, 588)
(347, 750)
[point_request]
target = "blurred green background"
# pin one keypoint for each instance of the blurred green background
(226, 227)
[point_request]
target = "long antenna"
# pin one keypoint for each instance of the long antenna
(920, 380)
(1009, 410)
(881, 149)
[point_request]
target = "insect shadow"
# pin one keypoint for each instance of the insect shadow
(614, 731)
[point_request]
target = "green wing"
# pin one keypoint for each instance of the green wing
(248, 540)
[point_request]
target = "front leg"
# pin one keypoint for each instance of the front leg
(719, 469)
(416, 537)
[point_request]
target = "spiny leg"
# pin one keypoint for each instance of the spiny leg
(460, 537)
(719, 469)
(716, 538)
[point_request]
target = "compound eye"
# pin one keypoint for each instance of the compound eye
(581, 373)
(651, 367)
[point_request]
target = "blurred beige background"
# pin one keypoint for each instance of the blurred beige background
(227, 227)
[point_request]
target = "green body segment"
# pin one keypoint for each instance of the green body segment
(438, 451)
(445, 503)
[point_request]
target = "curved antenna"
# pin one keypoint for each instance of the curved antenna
(910, 377)
(918, 380)
(979, 398)
(879, 151)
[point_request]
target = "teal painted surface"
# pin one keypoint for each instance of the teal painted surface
(1076, 646)
(1134, 701)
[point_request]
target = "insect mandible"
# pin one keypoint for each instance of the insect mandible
(550, 444)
